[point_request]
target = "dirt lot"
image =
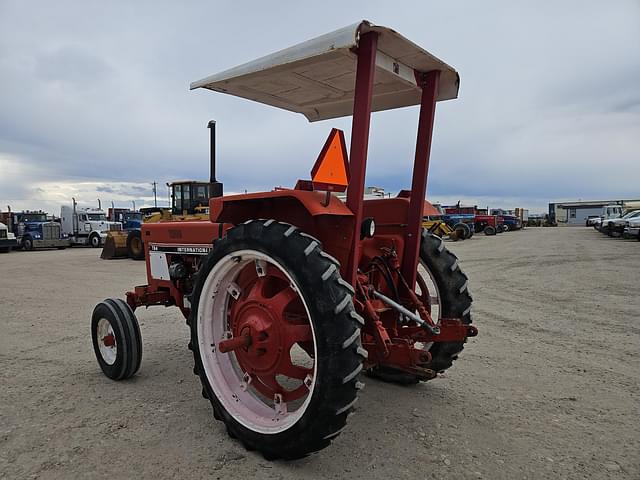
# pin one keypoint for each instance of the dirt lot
(549, 389)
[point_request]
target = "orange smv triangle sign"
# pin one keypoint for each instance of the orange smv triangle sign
(331, 170)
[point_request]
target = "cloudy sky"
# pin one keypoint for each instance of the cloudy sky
(95, 100)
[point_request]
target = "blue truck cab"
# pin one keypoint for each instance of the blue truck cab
(131, 221)
(33, 230)
(511, 222)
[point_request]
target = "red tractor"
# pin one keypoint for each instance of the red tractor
(291, 294)
(489, 224)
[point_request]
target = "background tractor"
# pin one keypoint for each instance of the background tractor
(127, 242)
(189, 201)
(440, 228)
(291, 294)
(489, 224)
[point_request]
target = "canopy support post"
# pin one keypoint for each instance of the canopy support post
(429, 84)
(367, 49)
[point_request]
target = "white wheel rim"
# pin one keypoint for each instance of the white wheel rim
(434, 293)
(434, 296)
(107, 341)
(224, 374)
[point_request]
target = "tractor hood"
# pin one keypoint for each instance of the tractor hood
(317, 78)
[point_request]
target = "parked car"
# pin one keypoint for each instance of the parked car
(632, 228)
(609, 212)
(615, 227)
(592, 220)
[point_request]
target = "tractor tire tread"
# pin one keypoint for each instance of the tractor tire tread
(337, 329)
(134, 328)
(456, 298)
(127, 331)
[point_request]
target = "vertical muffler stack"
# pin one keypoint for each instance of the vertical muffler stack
(215, 187)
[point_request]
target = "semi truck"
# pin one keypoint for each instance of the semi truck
(86, 226)
(33, 230)
(7, 239)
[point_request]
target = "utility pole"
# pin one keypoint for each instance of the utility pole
(155, 198)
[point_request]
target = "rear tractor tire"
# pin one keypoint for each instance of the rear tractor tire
(117, 342)
(276, 340)
(462, 230)
(446, 286)
(489, 230)
(135, 246)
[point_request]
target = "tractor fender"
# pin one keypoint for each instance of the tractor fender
(235, 208)
(332, 222)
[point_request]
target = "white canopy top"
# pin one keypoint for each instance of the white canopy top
(317, 77)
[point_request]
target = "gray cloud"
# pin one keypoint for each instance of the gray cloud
(98, 92)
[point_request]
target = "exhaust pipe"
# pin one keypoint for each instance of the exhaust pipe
(215, 187)
(74, 219)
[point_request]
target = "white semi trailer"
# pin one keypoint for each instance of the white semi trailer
(86, 226)
(7, 239)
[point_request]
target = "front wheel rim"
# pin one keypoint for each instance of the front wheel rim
(259, 385)
(106, 339)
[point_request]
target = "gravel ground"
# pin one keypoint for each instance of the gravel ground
(549, 389)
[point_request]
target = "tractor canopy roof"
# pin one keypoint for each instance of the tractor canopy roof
(317, 77)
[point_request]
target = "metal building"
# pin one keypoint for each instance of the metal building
(576, 213)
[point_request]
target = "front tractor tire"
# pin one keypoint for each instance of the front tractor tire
(276, 339)
(117, 342)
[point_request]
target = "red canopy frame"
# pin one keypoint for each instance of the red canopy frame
(366, 57)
